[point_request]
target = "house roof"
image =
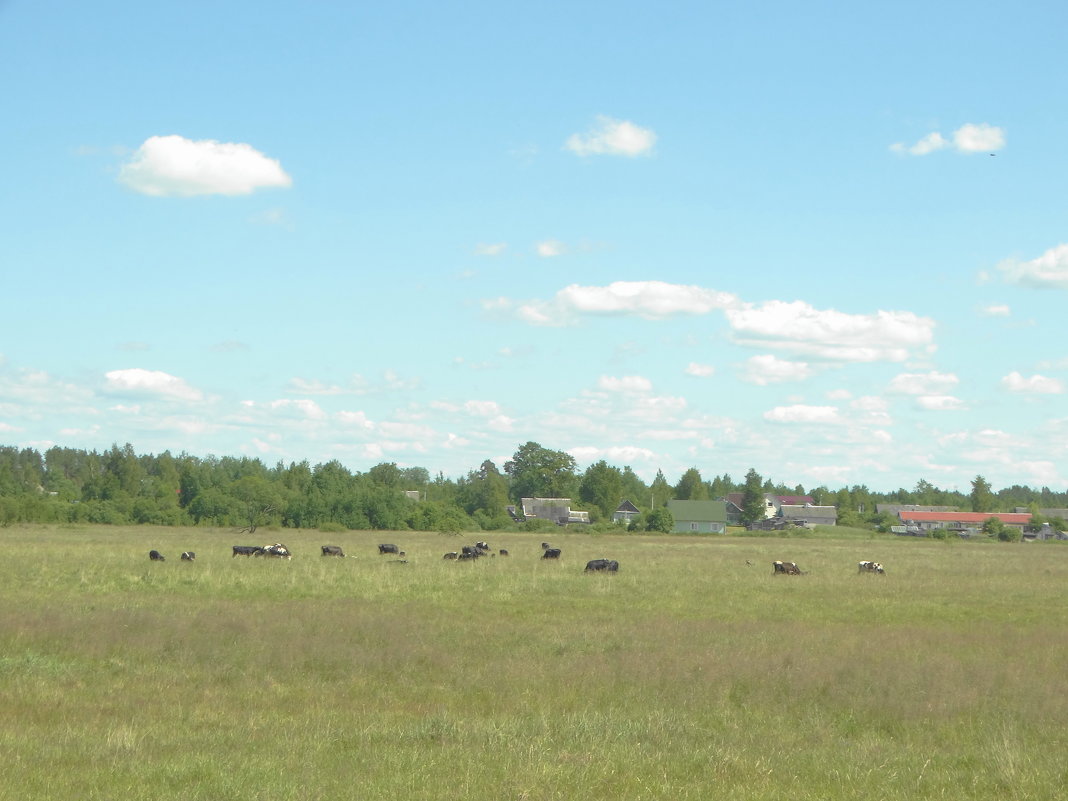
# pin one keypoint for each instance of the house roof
(698, 510)
(964, 517)
(627, 506)
(794, 500)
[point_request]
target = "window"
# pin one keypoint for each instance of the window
(693, 527)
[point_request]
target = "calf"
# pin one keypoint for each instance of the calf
(611, 565)
(786, 568)
(156, 556)
(188, 556)
(388, 548)
(333, 550)
(246, 550)
(551, 553)
(869, 567)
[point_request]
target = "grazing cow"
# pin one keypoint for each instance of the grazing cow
(156, 556)
(451, 555)
(246, 550)
(470, 552)
(786, 568)
(551, 553)
(333, 550)
(869, 567)
(277, 550)
(388, 548)
(611, 565)
(482, 546)
(188, 556)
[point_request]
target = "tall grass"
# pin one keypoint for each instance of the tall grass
(689, 675)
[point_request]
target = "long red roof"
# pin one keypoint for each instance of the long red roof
(964, 517)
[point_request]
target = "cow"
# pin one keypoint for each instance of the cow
(611, 565)
(333, 550)
(388, 548)
(471, 552)
(786, 568)
(246, 550)
(545, 546)
(277, 550)
(482, 546)
(188, 556)
(870, 567)
(551, 553)
(503, 552)
(156, 556)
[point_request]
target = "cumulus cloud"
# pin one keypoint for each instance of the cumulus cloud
(939, 403)
(649, 299)
(617, 454)
(173, 166)
(613, 138)
(628, 383)
(1035, 385)
(997, 310)
(800, 413)
(767, 369)
(931, 383)
(549, 248)
(830, 334)
(700, 370)
(1050, 270)
(969, 138)
(151, 382)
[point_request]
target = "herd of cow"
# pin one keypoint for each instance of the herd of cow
(478, 550)
(467, 552)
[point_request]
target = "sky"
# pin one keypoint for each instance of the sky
(828, 241)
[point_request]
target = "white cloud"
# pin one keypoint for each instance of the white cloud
(700, 370)
(495, 249)
(939, 403)
(800, 413)
(355, 419)
(612, 137)
(549, 248)
(973, 138)
(932, 383)
(168, 166)
(969, 138)
(767, 369)
(1036, 384)
(615, 455)
(649, 299)
(308, 408)
(997, 310)
(151, 382)
(628, 383)
(829, 334)
(1050, 270)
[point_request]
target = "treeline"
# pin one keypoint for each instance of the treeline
(122, 487)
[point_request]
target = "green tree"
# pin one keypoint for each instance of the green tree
(602, 487)
(538, 472)
(484, 490)
(660, 519)
(691, 486)
(661, 492)
(753, 504)
(982, 498)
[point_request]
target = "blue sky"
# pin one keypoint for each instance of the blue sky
(826, 240)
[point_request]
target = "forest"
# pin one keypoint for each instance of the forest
(121, 487)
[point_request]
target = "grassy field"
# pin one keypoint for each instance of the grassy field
(691, 674)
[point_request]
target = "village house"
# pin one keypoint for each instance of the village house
(966, 524)
(626, 512)
(699, 517)
(557, 510)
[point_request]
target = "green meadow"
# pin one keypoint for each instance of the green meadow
(690, 674)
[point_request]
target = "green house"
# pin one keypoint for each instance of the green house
(699, 517)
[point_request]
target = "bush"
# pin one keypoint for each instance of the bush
(332, 527)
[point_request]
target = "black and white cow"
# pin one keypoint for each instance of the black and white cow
(277, 550)
(869, 567)
(156, 556)
(551, 553)
(786, 568)
(188, 556)
(611, 565)
(333, 550)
